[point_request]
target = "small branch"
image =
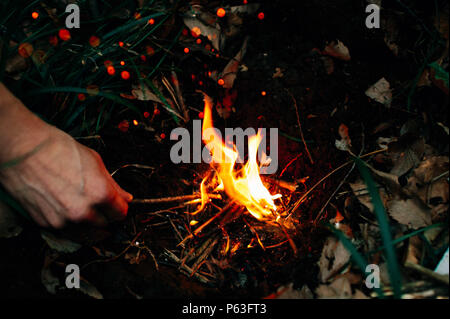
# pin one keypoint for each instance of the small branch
(280, 183)
(428, 272)
(199, 229)
(172, 199)
(188, 269)
(300, 126)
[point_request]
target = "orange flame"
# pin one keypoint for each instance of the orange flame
(244, 186)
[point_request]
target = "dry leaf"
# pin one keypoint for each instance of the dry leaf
(278, 73)
(362, 194)
(338, 289)
(380, 92)
(198, 20)
(406, 153)
(410, 212)
(89, 289)
(334, 257)
(143, 93)
(337, 50)
(288, 292)
(414, 250)
(50, 281)
(59, 244)
(229, 73)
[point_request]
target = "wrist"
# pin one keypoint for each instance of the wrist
(21, 131)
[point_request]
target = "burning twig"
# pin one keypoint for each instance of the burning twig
(254, 232)
(172, 199)
(280, 183)
(277, 245)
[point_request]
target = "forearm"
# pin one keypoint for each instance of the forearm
(20, 130)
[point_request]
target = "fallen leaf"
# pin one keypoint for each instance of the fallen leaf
(414, 250)
(338, 289)
(334, 256)
(278, 73)
(59, 244)
(337, 50)
(48, 279)
(380, 92)
(406, 153)
(89, 289)
(143, 93)
(198, 20)
(229, 73)
(288, 292)
(359, 189)
(410, 212)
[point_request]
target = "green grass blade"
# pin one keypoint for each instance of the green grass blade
(358, 258)
(380, 212)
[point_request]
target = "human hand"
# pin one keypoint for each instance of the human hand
(62, 180)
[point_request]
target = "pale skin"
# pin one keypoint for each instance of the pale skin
(56, 179)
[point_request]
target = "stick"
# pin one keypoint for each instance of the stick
(204, 255)
(254, 232)
(199, 229)
(281, 183)
(188, 269)
(300, 126)
(172, 199)
(428, 272)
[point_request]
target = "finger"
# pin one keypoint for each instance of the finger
(116, 208)
(54, 219)
(96, 218)
(38, 218)
(124, 194)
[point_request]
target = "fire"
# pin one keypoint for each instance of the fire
(244, 186)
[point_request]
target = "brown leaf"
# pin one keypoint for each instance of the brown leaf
(406, 153)
(334, 257)
(337, 50)
(414, 251)
(362, 194)
(410, 212)
(288, 292)
(229, 73)
(338, 289)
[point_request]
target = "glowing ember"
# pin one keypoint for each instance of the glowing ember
(244, 186)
